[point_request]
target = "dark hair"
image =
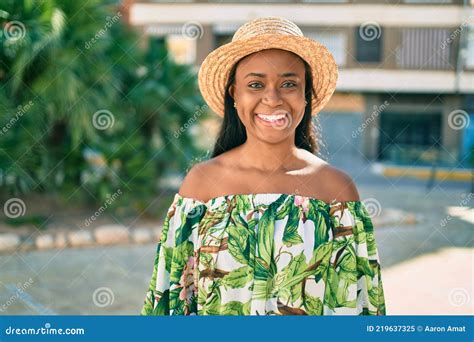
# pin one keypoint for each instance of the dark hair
(232, 132)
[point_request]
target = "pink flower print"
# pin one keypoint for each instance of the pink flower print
(186, 282)
(303, 202)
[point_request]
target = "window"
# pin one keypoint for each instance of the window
(335, 42)
(368, 39)
(469, 63)
(424, 48)
(405, 138)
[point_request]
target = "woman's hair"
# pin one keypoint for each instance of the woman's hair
(232, 132)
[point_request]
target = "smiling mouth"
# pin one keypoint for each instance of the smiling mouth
(271, 118)
(278, 119)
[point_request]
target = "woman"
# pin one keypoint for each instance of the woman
(265, 227)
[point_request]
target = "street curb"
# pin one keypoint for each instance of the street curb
(424, 173)
(114, 234)
(100, 236)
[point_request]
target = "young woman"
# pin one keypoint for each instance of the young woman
(265, 227)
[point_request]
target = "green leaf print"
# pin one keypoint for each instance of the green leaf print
(180, 257)
(371, 245)
(296, 265)
(237, 243)
(162, 308)
(174, 298)
(237, 278)
(266, 227)
(188, 222)
(364, 268)
(347, 261)
(243, 228)
(236, 308)
(168, 257)
(342, 291)
(284, 210)
(213, 305)
(332, 283)
(313, 305)
(290, 235)
(261, 269)
(321, 234)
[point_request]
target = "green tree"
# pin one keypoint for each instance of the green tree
(83, 110)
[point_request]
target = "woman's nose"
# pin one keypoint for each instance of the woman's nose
(272, 97)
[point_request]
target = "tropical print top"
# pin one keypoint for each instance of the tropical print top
(265, 254)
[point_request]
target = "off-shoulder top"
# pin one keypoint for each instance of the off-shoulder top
(265, 254)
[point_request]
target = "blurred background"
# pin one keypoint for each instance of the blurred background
(101, 117)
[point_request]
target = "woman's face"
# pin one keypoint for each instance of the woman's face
(269, 93)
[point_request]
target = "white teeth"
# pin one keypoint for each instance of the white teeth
(271, 117)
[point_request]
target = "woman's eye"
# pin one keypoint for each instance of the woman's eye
(257, 85)
(252, 84)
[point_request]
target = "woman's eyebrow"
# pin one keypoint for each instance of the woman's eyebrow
(286, 74)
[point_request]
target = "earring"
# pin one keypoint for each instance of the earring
(235, 105)
(305, 102)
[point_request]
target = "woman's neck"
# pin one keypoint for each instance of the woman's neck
(267, 157)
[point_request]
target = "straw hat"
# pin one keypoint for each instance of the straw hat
(260, 34)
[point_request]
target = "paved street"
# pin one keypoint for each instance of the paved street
(427, 267)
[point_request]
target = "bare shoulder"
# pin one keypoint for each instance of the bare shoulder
(338, 183)
(199, 180)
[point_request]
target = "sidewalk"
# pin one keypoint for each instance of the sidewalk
(431, 284)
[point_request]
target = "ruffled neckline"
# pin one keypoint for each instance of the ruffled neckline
(264, 198)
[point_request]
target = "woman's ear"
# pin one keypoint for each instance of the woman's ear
(231, 91)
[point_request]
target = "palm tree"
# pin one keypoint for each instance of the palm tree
(76, 64)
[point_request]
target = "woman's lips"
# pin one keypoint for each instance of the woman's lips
(272, 121)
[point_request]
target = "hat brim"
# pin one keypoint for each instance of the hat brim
(215, 69)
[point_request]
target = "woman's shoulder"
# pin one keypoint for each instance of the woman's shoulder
(200, 179)
(337, 183)
(330, 182)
